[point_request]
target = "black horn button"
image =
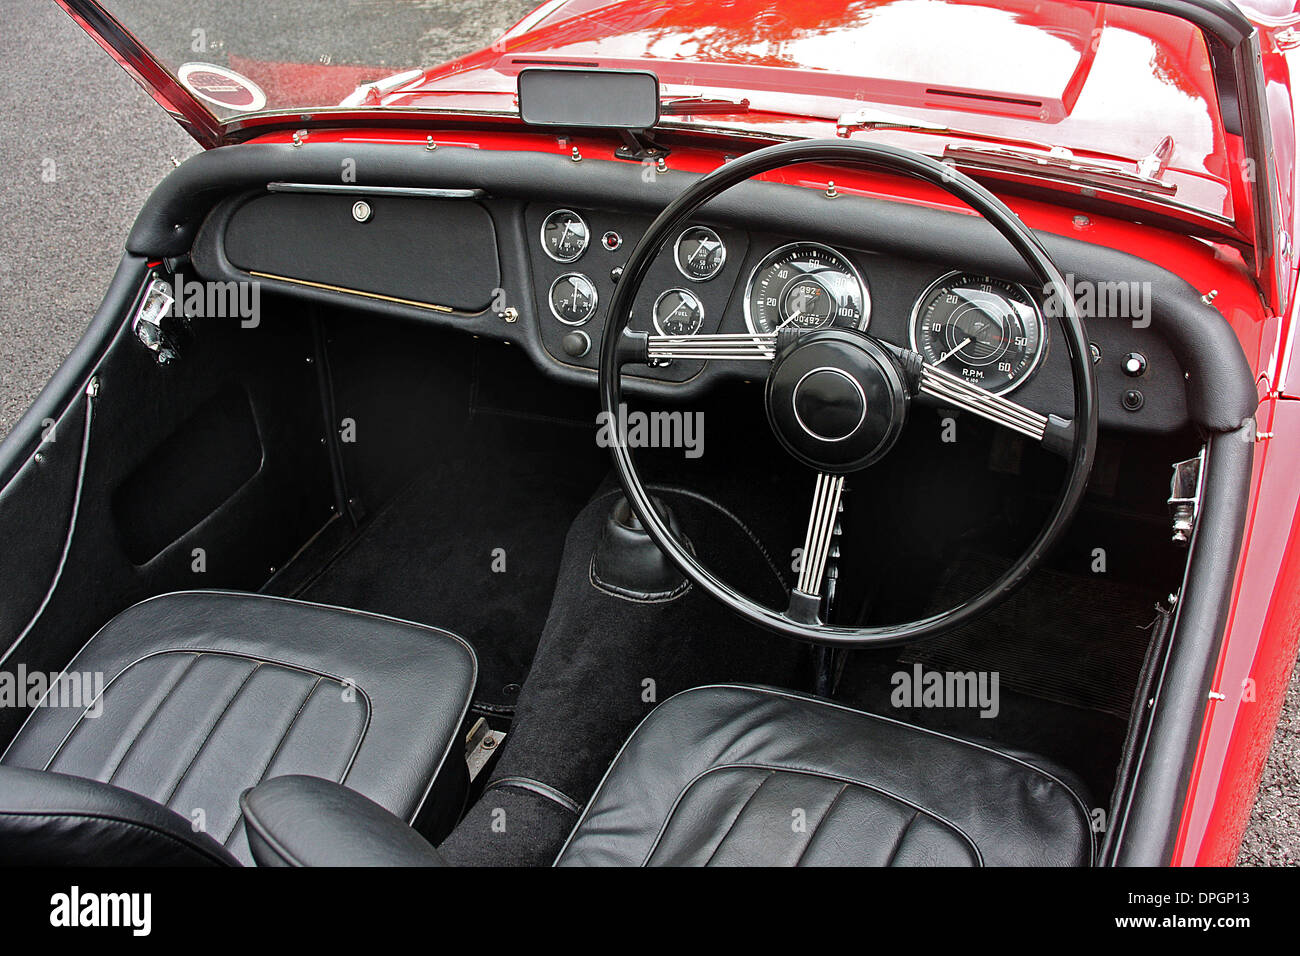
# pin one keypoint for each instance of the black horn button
(836, 400)
(829, 404)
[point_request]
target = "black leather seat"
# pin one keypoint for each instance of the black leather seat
(206, 694)
(751, 776)
(742, 775)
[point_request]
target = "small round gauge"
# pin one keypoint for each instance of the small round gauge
(700, 253)
(565, 235)
(678, 312)
(573, 298)
(806, 285)
(988, 331)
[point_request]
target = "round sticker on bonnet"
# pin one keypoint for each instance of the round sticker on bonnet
(221, 86)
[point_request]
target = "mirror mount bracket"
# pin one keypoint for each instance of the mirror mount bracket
(639, 146)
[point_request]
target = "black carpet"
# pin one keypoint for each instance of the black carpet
(1067, 648)
(473, 545)
(604, 663)
(1085, 743)
(509, 827)
(1062, 637)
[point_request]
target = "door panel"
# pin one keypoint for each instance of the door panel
(208, 472)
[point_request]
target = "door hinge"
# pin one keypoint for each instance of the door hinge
(1185, 497)
(156, 324)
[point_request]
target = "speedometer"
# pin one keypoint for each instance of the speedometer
(806, 285)
(987, 330)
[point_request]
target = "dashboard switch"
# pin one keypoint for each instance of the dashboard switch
(1133, 400)
(576, 343)
(1135, 363)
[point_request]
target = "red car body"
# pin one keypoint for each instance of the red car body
(1260, 645)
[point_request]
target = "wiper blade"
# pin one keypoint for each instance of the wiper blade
(1060, 164)
(868, 119)
(700, 105)
(1039, 158)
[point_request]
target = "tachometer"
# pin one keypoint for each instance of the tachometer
(986, 330)
(806, 285)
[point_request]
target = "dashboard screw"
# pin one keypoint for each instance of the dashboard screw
(661, 165)
(575, 155)
(831, 191)
(429, 144)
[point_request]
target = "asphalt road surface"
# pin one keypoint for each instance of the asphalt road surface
(81, 146)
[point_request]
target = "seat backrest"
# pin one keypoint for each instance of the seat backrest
(51, 819)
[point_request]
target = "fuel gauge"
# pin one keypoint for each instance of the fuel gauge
(678, 312)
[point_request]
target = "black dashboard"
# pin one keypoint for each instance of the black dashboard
(541, 274)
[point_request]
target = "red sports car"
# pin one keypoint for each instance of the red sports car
(851, 432)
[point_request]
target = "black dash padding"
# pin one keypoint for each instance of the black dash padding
(435, 251)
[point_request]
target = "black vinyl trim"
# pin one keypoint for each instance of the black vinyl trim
(1220, 385)
(71, 532)
(1163, 768)
(537, 787)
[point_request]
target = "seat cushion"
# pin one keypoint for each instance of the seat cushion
(207, 693)
(735, 775)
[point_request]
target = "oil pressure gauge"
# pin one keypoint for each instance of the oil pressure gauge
(700, 253)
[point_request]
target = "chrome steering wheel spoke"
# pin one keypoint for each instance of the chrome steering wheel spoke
(965, 395)
(742, 346)
(805, 600)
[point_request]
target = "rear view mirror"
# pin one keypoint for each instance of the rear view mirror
(605, 99)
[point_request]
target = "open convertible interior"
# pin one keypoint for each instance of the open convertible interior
(363, 585)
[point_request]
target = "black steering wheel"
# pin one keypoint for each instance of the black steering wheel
(838, 398)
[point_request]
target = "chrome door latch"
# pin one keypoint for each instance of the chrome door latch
(156, 325)
(1185, 497)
